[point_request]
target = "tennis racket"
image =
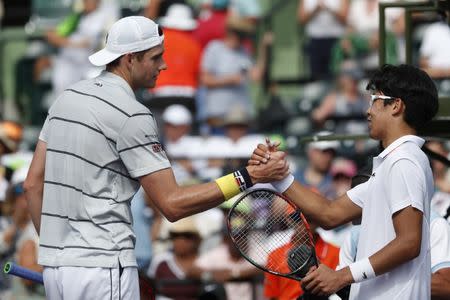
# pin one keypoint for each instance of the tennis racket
(263, 220)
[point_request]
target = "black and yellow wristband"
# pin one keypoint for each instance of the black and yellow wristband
(234, 183)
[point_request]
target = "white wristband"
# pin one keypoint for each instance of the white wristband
(282, 185)
(362, 270)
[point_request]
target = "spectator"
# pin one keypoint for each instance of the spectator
(344, 101)
(281, 288)
(441, 198)
(361, 39)
(159, 8)
(175, 265)
(317, 174)
(176, 138)
(225, 263)
(78, 36)
(434, 58)
(10, 136)
(146, 220)
(211, 22)
(178, 84)
(324, 22)
(342, 171)
(19, 241)
(248, 9)
(226, 69)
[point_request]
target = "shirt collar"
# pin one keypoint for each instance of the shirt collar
(406, 138)
(377, 160)
(117, 80)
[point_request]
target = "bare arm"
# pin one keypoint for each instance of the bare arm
(176, 202)
(213, 81)
(328, 214)
(403, 248)
(34, 184)
(60, 41)
(257, 72)
(326, 109)
(342, 13)
(303, 16)
(151, 10)
(440, 284)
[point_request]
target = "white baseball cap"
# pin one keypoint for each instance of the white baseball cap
(128, 35)
(179, 16)
(177, 114)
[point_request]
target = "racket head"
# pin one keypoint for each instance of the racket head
(261, 221)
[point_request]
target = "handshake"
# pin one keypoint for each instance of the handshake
(268, 165)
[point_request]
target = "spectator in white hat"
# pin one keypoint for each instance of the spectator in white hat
(178, 84)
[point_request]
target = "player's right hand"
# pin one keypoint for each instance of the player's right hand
(262, 153)
(275, 168)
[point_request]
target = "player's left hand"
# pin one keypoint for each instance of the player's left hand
(324, 281)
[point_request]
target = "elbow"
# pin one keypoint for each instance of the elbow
(28, 186)
(172, 214)
(412, 249)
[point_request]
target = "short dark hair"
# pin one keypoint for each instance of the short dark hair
(416, 89)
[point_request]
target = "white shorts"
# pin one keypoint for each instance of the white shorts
(79, 283)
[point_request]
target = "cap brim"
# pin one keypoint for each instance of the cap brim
(103, 57)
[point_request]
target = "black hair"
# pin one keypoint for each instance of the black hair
(413, 86)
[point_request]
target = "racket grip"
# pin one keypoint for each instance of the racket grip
(13, 269)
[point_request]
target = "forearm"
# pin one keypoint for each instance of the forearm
(213, 81)
(189, 200)
(440, 284)
(34, 199)
(314, 206)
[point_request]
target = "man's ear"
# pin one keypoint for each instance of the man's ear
(398, 107)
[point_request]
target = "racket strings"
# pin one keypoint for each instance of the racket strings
(270, 222)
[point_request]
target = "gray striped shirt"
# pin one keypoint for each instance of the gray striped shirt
(99, 141)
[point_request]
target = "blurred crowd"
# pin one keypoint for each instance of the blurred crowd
(218, 52)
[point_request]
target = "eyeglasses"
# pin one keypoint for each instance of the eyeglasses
(374, 98)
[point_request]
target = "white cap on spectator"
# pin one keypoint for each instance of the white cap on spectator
(177, 114)
(179, 16)
(128, 35)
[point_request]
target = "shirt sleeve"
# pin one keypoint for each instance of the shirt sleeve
(208, 59)
(406, 186)
(43, 136)
(358, 193)
(139, 147)
(440, 244)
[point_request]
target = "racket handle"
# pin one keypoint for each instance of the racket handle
(13, 269)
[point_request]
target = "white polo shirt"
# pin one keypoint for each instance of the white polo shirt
(401, 177)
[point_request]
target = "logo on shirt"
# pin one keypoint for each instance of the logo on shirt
(157, 148)
(152, 136)
(364, 275)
